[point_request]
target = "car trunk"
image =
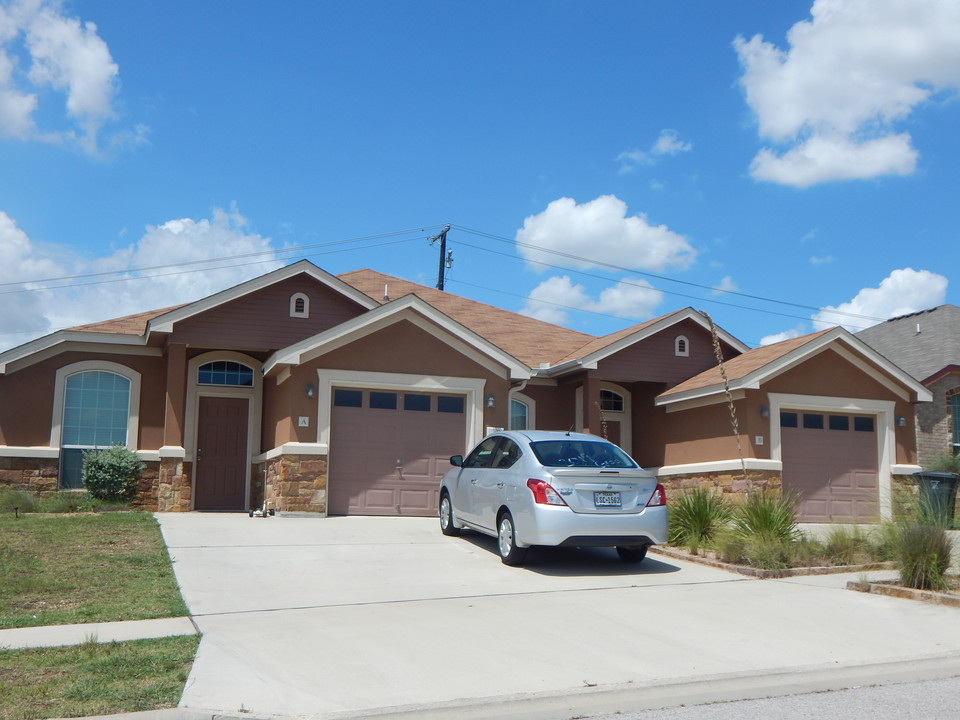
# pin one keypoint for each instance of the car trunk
(606, 491)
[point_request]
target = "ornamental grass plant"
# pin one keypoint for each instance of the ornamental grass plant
(696, 518)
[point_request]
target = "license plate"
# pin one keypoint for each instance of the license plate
(606, 499)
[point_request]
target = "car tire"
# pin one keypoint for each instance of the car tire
(510, 554)
(446, 517)
(632, 554)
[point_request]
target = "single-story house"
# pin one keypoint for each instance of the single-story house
(347, 394)
(927, 345)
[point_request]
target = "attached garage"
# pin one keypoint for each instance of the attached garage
(831, 464)
(389, 449)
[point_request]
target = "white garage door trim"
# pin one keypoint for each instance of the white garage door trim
(882, 410)
(471, 387)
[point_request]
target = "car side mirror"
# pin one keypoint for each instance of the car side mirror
(456, 460)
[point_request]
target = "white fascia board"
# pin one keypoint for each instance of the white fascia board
(50, 345)
(409, 307)
(704, 400)
(164, 323)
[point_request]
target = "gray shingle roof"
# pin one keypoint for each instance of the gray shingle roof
(922, 343)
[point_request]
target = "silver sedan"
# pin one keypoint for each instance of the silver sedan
(530, 488)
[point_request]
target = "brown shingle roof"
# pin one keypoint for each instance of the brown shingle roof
(601, 342)
(127, 325)
(742, 365)
(530, 341)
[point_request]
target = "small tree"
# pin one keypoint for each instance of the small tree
(112, 474)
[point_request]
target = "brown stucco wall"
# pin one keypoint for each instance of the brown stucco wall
(556, 406)
(26, 398)
(261, 320)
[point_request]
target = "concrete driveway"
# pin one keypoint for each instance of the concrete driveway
(345, 617)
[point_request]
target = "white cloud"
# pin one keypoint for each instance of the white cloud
(824, 260)
(668, 143)
(851, 72)
(781, 336)
(31, 309)
(726, 285)
(598, 232)
(553, 298)
(66, 56)
(901, 292)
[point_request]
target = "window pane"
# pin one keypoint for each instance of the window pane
(863, 424)
(788, 419)
(225, 372)
(610, 400)
(95, 409)
(839, 422)
(507, 454)
(578, 453)
(348, 398)
(383, 400)
(71, 462)
(416, 402)
(518, 415)
(482, 454)
(450, 404)
(813, 422)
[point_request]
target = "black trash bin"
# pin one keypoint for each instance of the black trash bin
(938, 493)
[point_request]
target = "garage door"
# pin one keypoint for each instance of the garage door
(830, 462)
(389, 449)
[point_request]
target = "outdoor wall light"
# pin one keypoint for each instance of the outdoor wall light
(309, 390)
(490, 401)
(764, 411)
(901, 421)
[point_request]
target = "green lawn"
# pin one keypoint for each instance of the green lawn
(61, 569)
(93, 679)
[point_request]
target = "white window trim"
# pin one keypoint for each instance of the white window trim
(401, 382)
(253, 396)
(305, 313)
(133, 411)
(885, 419)
(685, 352)
(531, 408)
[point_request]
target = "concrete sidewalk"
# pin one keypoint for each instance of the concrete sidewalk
(57, 635)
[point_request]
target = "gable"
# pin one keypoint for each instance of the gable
(830, 373)
(261, 320)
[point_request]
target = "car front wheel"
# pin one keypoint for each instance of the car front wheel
(632, 554)
(510, 554)
(446, 517)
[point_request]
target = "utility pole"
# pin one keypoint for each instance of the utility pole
(446, 259)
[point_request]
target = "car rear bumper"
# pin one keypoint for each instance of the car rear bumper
(560, 526)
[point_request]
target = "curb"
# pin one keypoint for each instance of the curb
(898, 591)
(769, 574)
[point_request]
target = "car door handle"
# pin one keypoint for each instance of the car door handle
(473, 481)
(499, 485)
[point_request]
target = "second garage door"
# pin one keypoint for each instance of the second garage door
(830, 462)
(389, 449)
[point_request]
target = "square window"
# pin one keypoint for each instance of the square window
(839, 422)
(450, 404)
(812, 421)
(383, 400)
(420, 403)
(863, 424)
(788, 419)
(348, 398)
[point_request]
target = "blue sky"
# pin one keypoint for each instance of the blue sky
(599, 163)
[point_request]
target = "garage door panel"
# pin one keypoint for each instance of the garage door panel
(833, 472)
(367, 444)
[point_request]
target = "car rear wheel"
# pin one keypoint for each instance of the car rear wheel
(510, 554)
(446, 517)
(632, 554)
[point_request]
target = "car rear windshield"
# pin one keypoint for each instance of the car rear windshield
(580, 453)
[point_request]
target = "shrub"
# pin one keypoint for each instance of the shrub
(696, 517)
(112, 474)
(767, 552)
(11, 498)
(922, 553)
(67, 502)
(847, 546)
(808, 552)
(947, 462)
(767, 515)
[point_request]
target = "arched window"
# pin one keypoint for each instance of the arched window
(609, 400)
(519, 415)
(225, 372)
(299, 305)
(681, 346)
(96, 414)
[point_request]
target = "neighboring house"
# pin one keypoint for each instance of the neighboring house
(347, 395)
(927, 345)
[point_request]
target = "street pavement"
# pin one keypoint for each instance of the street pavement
(352, 617)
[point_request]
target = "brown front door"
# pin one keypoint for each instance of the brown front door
(221, 459)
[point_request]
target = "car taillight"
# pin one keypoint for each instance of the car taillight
(543, 493)
(658, 498)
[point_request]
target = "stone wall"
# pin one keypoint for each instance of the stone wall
(734, 485)
(36, 475)
(296, 483)
(165, 486)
